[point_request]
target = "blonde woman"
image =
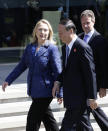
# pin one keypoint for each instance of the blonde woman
(42, 58)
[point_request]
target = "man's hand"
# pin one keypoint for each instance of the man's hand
(4, 85)
(102, 92)
(55, 88)
(93, 104)
(59, 100)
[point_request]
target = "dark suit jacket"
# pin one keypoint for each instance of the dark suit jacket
(98, 45)
(78, 77)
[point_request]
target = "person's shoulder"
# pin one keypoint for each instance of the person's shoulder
(97, 34)
(99, 37)
(80, 35)
(28, 46)
(81, 43)
(63, 46)
(51, 46)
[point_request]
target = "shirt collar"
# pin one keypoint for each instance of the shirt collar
(72, 42)
(90, 33)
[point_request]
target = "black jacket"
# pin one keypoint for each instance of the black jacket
(78, 77)
(98, 45)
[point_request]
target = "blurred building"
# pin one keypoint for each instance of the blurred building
(18, 17)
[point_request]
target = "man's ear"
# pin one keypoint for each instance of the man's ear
(71, 31)
(93, 21)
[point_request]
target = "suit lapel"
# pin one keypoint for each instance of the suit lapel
(92, 38)
(82, 36)
(42, 50)
(64, 55)
(32, 53)
(90, 41)
(73, 50)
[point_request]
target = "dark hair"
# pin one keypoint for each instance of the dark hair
(69, 24)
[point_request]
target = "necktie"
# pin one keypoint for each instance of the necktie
(85, 38)
(67, 54)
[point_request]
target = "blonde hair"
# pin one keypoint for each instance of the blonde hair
(50, 37)
(88, 13)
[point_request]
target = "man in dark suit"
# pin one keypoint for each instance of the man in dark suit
(78, 79)
(99, 48)
(98, 45)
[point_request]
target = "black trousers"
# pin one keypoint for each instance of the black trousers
(41, 111)
(100, 117)
(76, 120)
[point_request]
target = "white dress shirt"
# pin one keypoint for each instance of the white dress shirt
(70, 45)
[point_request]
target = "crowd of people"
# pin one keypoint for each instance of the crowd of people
(75, 77)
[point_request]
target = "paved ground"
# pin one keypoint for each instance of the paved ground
(18, 103)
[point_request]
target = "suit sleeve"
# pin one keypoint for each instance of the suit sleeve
(21, 67)
(60, 77)
(55, 61)
(88, 70)
(56, 67)
(101, 49)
